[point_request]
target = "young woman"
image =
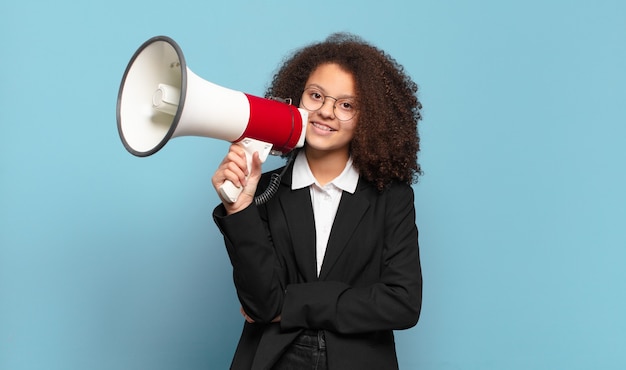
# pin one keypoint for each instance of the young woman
(329, 266)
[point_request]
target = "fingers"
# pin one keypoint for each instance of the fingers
(245, 315)
(236, 169)
(233, 168)
(250, 320)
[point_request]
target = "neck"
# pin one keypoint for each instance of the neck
(326, 166)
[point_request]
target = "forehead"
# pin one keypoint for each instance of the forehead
(333, 80)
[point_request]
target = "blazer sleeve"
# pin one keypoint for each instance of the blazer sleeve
(392, 302)
(257, 273)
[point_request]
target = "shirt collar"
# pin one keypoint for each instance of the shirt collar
(303, 177)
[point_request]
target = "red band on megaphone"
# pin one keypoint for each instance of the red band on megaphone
(273, 122)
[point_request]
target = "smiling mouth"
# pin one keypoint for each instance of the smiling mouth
(322, 127)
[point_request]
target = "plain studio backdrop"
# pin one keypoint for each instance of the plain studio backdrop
(109, 261)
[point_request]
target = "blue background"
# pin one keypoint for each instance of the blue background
(108, 261)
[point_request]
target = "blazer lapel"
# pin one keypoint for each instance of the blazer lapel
(349, 214)
(300, 220)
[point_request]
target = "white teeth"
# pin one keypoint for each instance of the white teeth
(322, 127)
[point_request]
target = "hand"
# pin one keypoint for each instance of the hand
(234, 168)
(245, 315)
(250, 320)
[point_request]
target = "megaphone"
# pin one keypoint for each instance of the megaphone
(161, 98)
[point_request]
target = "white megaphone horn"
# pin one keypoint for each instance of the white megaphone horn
(160, 98)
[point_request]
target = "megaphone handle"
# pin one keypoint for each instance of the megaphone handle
(228, 190)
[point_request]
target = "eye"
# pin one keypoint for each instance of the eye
(316, 95)
(346, 105)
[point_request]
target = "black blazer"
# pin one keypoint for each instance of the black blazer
(370, 282)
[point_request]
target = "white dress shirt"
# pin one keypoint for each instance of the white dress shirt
(325, 199)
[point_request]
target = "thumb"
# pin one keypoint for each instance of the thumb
(255, 169)
(254, 175)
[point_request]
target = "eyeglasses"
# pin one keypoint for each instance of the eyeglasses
(313, 100)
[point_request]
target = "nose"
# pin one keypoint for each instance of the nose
(328, 110)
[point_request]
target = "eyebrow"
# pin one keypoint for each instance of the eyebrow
(324, 91)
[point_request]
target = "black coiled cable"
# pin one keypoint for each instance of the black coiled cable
(272, 188)
(269, 192)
